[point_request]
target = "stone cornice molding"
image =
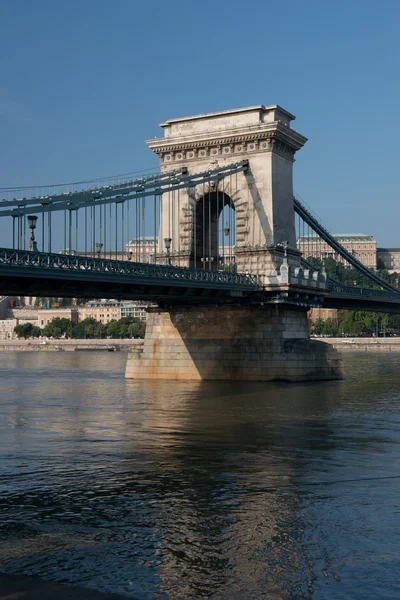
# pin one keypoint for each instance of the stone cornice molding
(263, 137)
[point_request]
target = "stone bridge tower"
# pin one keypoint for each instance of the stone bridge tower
(262, 196)
(261, 340)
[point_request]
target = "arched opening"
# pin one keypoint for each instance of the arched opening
(214, 232)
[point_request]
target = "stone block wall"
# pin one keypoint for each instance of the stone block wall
(227, 342)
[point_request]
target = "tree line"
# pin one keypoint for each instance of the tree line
(347, 275)
(352, 322)
(356, 323)
(126, 327)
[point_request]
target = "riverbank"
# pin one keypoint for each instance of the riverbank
(69, 345)
(389, 344)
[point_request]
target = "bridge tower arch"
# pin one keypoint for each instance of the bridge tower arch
(211, 240)
(237, 340)
(262, 195)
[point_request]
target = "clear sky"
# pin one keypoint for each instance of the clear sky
(85, 82)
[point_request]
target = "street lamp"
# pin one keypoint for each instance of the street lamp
(32, 246)
(167, 242)
(99, 246)
(129, 255)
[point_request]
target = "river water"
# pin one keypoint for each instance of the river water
(160, 490)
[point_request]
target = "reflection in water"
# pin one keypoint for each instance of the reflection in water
(200, 490)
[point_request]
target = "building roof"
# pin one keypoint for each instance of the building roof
(356, 237)
(388, 249)
(146, 238)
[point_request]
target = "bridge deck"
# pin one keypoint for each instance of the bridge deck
(42, 274)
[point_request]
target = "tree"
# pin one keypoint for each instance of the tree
(24, 331)
(58, 327)
(137, 330)
(394, 321)
(318, 326)
(330, 327)
(90, 329)
(114, 329)
(127, 327)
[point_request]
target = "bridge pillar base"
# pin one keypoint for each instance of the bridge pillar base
(232, 343)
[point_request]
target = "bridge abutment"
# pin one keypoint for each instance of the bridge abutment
(263, 343)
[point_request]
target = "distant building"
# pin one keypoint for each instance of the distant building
(322, 313)
(135, 308)
(143, 249)
(390, 258)
(13, 317)
(100, 310)
(360, 245)
(46, 315)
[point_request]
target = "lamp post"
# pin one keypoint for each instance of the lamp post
(99, 246)
(207, 259)
(167, 242)
(32, 246)
(129, 255)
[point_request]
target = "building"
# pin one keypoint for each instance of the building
(14, 317)
(100, 310)
(46, 315)
(135, 308)
(322, 313)
(389, 258)
(360, 245)
(143, 249)
(7, 329)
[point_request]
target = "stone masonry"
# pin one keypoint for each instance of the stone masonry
(231, 343)
(262, 196)
(235, 342)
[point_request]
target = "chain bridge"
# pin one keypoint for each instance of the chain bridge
(211, 238)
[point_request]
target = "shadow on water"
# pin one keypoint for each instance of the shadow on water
(198, 490)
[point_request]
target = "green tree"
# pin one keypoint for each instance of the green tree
(318, 326)
(136, 330)
(24, 331)
(127, 327)
(89, 329)
(114, 329)
(58, 327)
(394, 321)
(350, 322)
(330, 327)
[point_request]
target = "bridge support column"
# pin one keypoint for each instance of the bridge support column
(232, 343)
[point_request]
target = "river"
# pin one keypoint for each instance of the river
(218, 490)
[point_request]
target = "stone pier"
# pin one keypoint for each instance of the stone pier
(265, 343)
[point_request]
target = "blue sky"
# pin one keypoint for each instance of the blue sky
(84, 83)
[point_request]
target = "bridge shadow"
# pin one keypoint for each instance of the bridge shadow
(259, 207)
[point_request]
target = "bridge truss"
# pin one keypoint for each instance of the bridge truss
(108, 216)
(99, 220)
(379, 295)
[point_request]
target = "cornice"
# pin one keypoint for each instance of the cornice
(239, 141)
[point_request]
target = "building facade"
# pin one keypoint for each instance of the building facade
(143, 249)
(135, 308)
(360, 245)
(322, 313)
(46, 315)
(389, 258)
(103, 311)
